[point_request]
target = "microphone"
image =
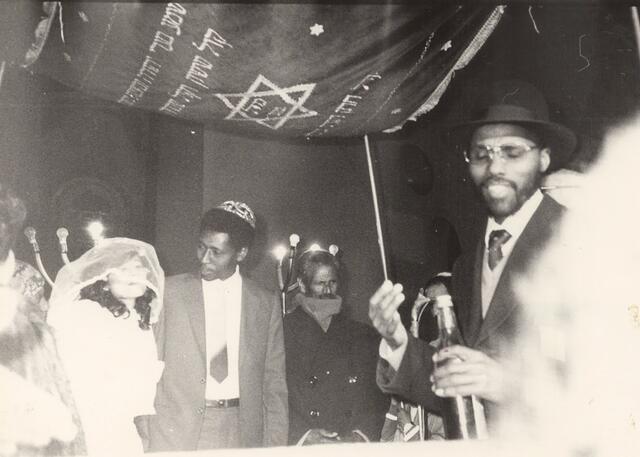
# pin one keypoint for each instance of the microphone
(62, 233)
(30, 233)
(294, 239)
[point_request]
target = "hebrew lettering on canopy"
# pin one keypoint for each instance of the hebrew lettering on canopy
(298, 70)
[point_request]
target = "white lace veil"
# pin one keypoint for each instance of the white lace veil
(102, 259)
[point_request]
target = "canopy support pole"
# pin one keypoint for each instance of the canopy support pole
(376, 208)
(636, 28)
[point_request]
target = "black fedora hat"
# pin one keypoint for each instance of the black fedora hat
(519, 102)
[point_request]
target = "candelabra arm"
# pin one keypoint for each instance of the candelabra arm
(283, 299)
(30, 233)
(42, 270)
(279, 275)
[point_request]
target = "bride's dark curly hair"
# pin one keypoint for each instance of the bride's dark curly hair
(101, 294)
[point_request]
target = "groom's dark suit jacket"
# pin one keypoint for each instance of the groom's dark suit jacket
(180, 399)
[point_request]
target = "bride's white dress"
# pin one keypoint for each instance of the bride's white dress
(113, 370)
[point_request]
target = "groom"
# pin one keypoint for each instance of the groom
(220, 336)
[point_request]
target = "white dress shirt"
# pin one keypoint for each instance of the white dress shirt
(223, 298)
(515, 225)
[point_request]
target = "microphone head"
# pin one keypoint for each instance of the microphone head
(294, 239)
(30, 233)
(62, 233)
(333, 249)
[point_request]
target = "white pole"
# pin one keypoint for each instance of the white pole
(376, 208)
(636, 27)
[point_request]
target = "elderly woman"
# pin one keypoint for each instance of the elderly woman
(102, 307)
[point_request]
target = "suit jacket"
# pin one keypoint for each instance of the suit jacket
(331, 377)
(180, 398)
(502, 323)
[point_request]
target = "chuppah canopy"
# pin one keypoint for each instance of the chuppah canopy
(310, 70)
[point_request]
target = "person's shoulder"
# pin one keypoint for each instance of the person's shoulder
(177, 288)
(27, 269)
(258, 297)
(31, 282)
(74, 312)
(546, 218)
(292, 318)
(256, 289)
(552, 207)
(181, 280)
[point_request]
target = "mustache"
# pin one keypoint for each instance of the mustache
(499, 181)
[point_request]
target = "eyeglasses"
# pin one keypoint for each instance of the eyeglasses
(481, 154)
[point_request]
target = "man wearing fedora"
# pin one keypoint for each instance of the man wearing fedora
(221, 338)
(508, 149)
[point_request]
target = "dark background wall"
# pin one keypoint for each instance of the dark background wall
(320, 192)
(72, 157)
(178, 173)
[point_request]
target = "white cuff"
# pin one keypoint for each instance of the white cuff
(392, 356)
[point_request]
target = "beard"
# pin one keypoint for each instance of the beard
(504, 197)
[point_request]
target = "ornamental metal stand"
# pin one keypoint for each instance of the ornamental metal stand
(95, 229)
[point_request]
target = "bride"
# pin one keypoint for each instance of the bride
(102, 307)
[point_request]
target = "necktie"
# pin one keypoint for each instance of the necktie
(496, 239)
(218, 365)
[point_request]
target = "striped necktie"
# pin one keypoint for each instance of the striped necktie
(496, 239)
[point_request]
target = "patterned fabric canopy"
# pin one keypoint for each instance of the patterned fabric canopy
(296, 69)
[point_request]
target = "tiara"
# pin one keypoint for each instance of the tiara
(241, 210)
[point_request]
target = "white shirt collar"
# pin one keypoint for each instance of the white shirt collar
(232, 281)
(515, 223)
(7, 268)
